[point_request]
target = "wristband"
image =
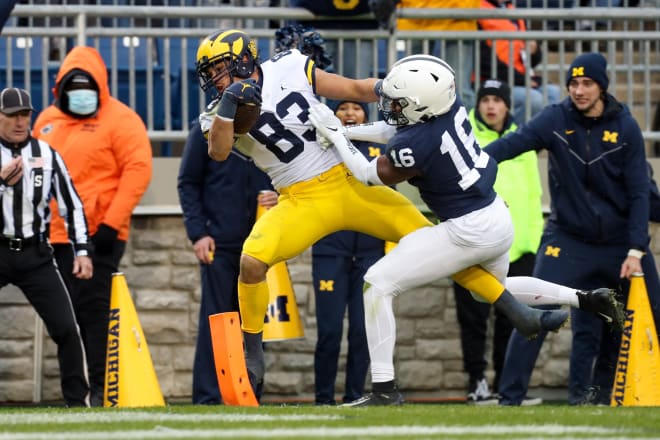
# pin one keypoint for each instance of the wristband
(227, 108)
(636, 253)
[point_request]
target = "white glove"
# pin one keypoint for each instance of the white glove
(328, 126)
(206, 119)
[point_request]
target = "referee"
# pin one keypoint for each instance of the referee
(31, 172)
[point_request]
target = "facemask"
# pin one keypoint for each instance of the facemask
(83, 102)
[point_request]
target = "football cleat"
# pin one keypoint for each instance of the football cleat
(378, 399)
(604, 303)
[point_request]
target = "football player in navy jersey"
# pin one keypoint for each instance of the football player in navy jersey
(430, 144)
(318, 194)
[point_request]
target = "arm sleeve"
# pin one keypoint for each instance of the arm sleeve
(379, 132)
(364, 170)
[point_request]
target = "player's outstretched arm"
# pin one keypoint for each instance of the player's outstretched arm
(379, 132)
(378, 171)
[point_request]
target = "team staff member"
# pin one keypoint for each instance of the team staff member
(107, 150)
(339, 262)
(219, 203)
(32, 173)
(519, 184)
(597, 232)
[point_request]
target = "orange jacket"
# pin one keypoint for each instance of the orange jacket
(502, 47)
(108, 155)
(420, 24)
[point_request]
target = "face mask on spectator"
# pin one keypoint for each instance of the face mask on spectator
(83, 102)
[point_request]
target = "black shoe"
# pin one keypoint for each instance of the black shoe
(378, 399)
(604, 303)
(549, 321)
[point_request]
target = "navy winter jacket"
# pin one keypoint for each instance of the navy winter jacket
(597, 172)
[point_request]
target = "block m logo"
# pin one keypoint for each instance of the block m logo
(577, 71)
(552, 251)
(327, 285)
(610, 136)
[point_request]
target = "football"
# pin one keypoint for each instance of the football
(245, 118)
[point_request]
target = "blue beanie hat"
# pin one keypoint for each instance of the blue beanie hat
(592, 65)
(334, 105)
(497, 88)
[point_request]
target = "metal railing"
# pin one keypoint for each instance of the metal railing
(166, 96)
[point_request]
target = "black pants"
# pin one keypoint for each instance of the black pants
(91, 301)
(33, 270)
(472, 318)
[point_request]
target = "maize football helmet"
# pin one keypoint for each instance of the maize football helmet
(417, 88)
(232, 47)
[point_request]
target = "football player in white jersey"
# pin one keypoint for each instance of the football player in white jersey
(433, 147)
(318, 194)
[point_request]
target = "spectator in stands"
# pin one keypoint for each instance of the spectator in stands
(5, 11)
(355, 60)
(105, 145)
(219, 202)
(519, 184)
(339, 262)
(597, 233)
(457, 53)
(496, 56)
(551, 4)
(31, 174)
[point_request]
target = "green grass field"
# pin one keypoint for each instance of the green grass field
(413, 421)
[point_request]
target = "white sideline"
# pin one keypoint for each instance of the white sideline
(22, 418)
(530, 432)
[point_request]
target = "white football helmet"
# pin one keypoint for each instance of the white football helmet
(417, 88)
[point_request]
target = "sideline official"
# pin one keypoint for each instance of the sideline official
(31, 174)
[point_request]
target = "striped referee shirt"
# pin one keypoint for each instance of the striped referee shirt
(25, 205)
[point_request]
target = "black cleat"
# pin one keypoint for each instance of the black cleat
(530, 322)
(378, 399)
(549, 321)
(604, 303)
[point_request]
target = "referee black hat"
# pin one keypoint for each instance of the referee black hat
(14, 100)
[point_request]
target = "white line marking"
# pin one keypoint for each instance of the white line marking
(137, 416)
(161, 432)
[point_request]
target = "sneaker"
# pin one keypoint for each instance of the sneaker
(531, 401)
(378, 399)
(604, 303)
(480, 394)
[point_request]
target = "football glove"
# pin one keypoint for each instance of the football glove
(243, 92)
(383, 10)
(206, 119)
(327, 125)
